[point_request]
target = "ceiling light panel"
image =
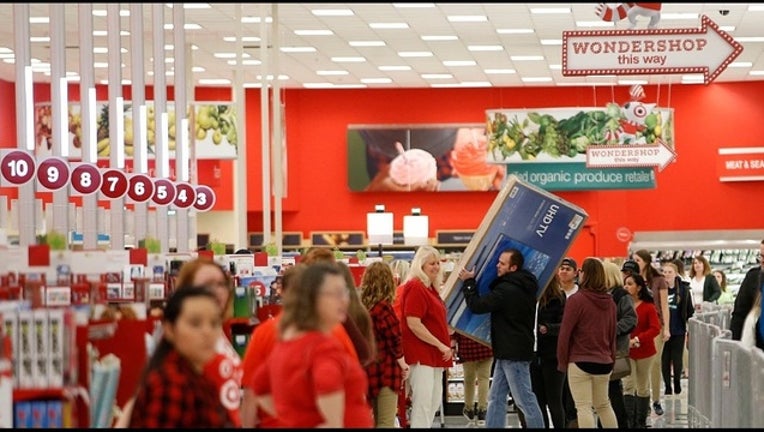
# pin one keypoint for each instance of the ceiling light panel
(388, 25)
(313, 32)
(550, 10)
(414, 5)
(459, 63)
(479, 48)
(467, 18)
(332, 12)
(348, 59)
(436, 38)
(415, 53)
(374, 43)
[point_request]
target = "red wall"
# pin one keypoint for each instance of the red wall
(689, 195)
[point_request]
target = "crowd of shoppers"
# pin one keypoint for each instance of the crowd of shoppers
(357, 355)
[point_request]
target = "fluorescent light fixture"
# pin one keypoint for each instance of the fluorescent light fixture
(555, 66)
(255, 20)
(196, 6)
(39, 20)
(245, 62)
(39, 39)
(435, 38)
(692, 77)
(169, 60)
(551, 41)
(318, 85)
(169, 73)
(485, 48)
(740, 64)
(376, 80)
(394, 68)
(349, 86)
(100, 65)
(413, 5)
(198, 69)
(100, 50)
(514, 31)
(631, 82)
(214, 81)
(476, 84)
(124, 12)
(756, 8)
(169, 47)
(348, 59)
(727, 28)
(536, 79)
(313, 32)
(332, 72)
(366, 43)
(750, 38)
(243, 39)
(270, 77)
(467, 18)
(679, 16)
(499, 71)
(186, 26)
(72, 78)
(7, 55)
(459, 63)
(105, 33)
(126, 82)
(414, 53)
(10, 60)
(551, 10)
(224, 55)
(297, 49)
(99, 12)
(390, 25)
(526, 57)
(599, 23)
(756, 72)
(436, 76)
(332, 12)
(5, 50)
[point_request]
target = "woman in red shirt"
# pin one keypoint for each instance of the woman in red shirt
(387, 371)
(426, 341)
(642, 351)
(309, 380)
(174, 392)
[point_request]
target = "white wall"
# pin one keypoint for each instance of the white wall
(219, 225)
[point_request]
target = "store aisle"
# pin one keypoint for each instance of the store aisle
(674, 417)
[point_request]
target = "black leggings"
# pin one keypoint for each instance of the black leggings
(547, 383)
(673, 350)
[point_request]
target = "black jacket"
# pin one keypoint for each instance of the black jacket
(550, 315)
(512, 304)
(711, 289)
(746, 296)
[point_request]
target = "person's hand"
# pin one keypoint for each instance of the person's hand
(465, 274)
(666, 334)
(543, 329)
(405, 369)
(447, 352)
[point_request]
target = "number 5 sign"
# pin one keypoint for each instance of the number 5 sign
(17, 167)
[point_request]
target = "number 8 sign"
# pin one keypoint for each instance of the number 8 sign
(86, 179)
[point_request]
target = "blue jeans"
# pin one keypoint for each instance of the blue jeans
(514, 376)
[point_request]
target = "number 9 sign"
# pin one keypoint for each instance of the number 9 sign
(52, 173)
(205, 198)
(17, 167)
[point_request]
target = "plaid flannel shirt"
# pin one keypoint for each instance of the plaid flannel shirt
(385, 372)
(469, 350)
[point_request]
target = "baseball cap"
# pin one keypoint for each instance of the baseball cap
(630, 266)
(570, 262)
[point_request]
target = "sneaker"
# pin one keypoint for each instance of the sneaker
(658, 408)
(468, 414)
(481, 417)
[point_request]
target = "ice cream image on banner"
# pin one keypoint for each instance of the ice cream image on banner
(413, 167)
(469, 159)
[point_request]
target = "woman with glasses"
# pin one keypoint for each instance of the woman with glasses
(309, 380)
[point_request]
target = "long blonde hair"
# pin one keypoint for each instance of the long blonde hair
(421, 256)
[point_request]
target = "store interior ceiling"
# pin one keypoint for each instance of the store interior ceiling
(378, 45)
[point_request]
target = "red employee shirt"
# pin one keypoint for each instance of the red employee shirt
(647, 329)
(225, 370)
(260, 346)
(424, 303)
(301, 369)
(384, 370)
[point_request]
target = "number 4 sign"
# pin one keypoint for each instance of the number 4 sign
(185, 196)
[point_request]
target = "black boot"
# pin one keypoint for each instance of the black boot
(642, 411)
(677, 386)
(630, 402)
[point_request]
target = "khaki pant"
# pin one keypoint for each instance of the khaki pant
(656, 377)
(385, 407)
(481, 370)
(591, 391)
(638, 382)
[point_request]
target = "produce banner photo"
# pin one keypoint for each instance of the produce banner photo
(539, 224)
(431, 158)
(551, 147)
(214, 130)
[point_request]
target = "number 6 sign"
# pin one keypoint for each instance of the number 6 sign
(141, 188)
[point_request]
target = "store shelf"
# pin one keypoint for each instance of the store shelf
(21, 395)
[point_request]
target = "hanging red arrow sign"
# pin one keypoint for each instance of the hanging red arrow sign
(707, 50)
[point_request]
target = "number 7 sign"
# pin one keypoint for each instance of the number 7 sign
(114, 183)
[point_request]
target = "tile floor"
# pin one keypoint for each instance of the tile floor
(674, 416)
